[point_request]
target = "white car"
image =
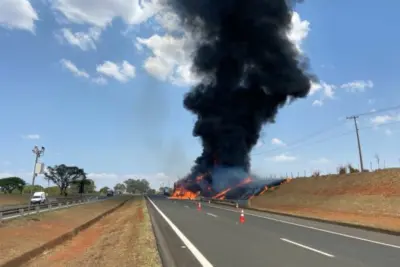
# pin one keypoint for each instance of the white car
(38, 198)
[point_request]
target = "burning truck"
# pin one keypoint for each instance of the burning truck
(247, 68)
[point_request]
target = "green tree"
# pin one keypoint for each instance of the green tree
(104, 190)
(52, 190)
(63, 176)
(29, 189)
(9, 184)
(137, 185)
(120, 187)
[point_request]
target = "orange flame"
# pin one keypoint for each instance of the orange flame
(182, 193)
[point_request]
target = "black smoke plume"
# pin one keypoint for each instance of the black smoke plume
(250, 69)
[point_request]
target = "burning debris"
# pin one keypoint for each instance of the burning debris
(249, 70)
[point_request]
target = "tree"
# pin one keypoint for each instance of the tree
(151, 192)
(8, 185)
(120, 187)
(63, 176)
(137, 185)
(81, 184)
(29, 189)
(104, 190)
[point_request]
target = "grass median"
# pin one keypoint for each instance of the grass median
(24, 234)
(123, 238)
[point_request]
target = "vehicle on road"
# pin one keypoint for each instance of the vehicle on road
(110, 193)
(39, 198)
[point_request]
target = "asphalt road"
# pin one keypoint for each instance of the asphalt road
(214, 237)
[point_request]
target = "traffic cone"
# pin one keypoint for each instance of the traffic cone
(199, 206)
(241, 219)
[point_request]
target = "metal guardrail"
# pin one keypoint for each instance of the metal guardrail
(9, 213)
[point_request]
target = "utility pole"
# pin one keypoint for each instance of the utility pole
(38, 153)
(358, 140)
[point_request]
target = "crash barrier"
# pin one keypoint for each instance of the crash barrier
(9, 213)
(239, 203)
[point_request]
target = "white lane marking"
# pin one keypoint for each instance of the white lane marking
(316, 229)
(186, 206)
(213, 215)
(196, 253)
(309, 248)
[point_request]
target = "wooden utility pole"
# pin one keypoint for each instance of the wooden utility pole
(358, 140)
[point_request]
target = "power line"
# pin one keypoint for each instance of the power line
(290, 148)
(378, 111)
(301, 140)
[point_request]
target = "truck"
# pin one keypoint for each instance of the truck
(38, 198)
(110, 193)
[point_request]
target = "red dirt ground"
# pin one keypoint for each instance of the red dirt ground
(24, 234)
(371, 199)
(123, 238)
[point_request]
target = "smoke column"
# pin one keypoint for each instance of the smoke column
(250, 69)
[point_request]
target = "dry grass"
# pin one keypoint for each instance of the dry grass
(124, 238)
(21, 235)
(363, 198)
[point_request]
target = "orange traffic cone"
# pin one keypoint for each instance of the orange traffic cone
(241, 219)
(199, 206)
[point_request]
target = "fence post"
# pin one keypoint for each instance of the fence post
(1, 216)
(49, 206)
(37, 208)
(21, 212)
(59, 204)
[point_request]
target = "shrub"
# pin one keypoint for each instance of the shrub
(342, 170)
(351, 169)
(316, 173)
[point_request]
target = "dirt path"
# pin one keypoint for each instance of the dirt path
(24, 234)
(124, 238)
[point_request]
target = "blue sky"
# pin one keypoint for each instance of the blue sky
(100, 84)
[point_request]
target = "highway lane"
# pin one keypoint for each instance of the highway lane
(276, 240)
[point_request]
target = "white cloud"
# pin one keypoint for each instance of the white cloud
(318, 103)
(74, 69)
(299, 31)
(18, 14)
(357, 85)
(327, 89)
(282, 158)
(320, 161)
(382, 119)
(315, 87)
(101, 13)
(83, 40)
(170, 59)
(100, 80)
(278, 142)
(31, 136)
(122, 72)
